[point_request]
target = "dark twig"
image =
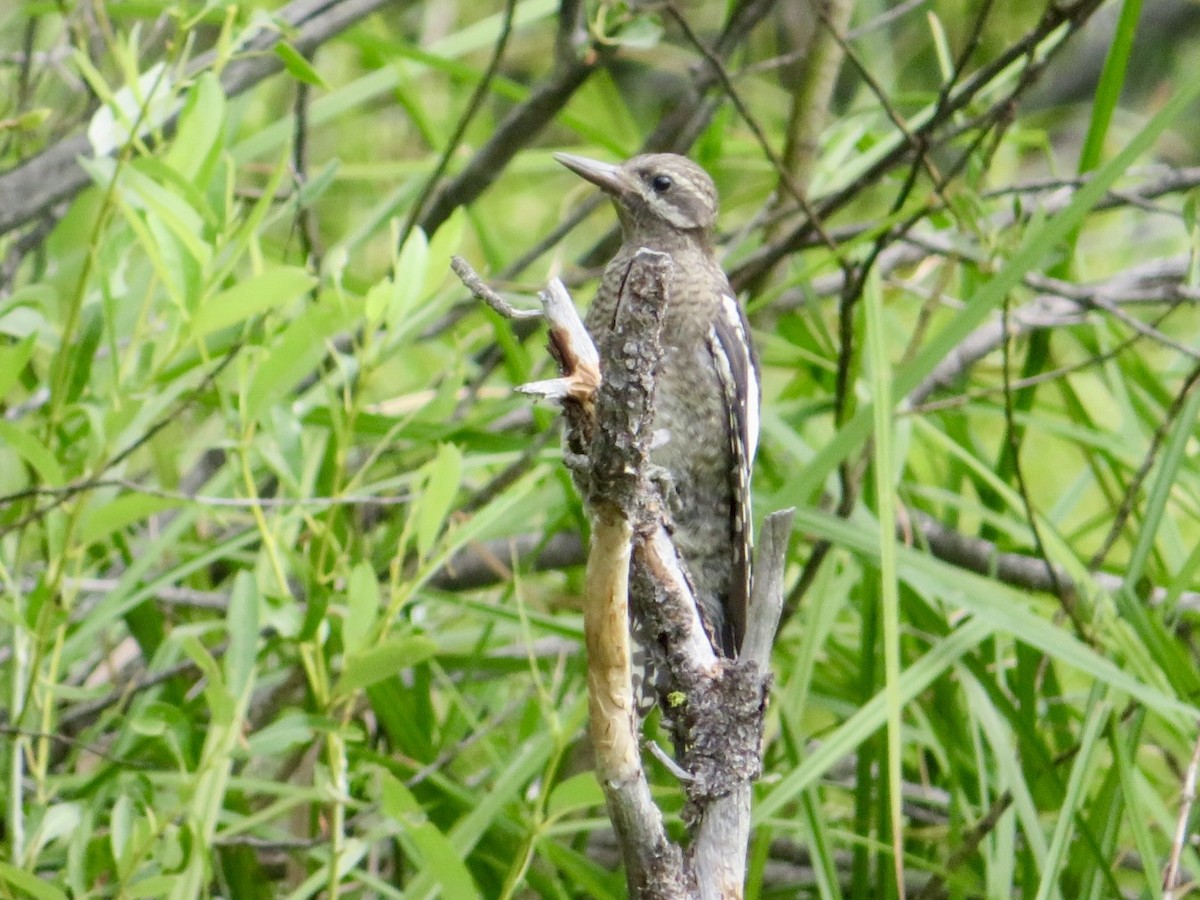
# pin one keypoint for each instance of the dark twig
(93, 484)
(935, 887)
(573, 65)
(1011, 436)
(1073, 16)
(63, 740)
(306, 221)
(473, 105)
(140, 441)
(77, 717)
(785, 176)
(1133, 489)
(983, 557)
(1153, 282)
(1029, 381)
(1061, 304)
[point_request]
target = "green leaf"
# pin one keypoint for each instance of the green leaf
(201, 125)
(13, 359)
(258, 294)
(1082, 771)
(242, 623)
(579, 792)
(445, 243)
(362, 608)
(442, 478)
(378, 300)
(291, 730)
(1112, 80)
(294, 355)
(297, 66)
(162, 204)
(23, 313)
(435, 853)
(152, 721)
(385, 660)
(120, 828)
(28, 121)
(409, 279)
(29, 884)
(34, 452)
(60, 820)
(156, 886)
(104, 519)
(884, 469)
(145, 105)
(83, 353)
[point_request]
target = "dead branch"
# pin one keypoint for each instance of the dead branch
(714, 707)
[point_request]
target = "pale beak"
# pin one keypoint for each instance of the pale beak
(606, 176)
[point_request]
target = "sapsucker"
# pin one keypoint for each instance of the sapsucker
(707, 397)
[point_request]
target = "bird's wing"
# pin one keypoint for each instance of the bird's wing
(737, 369)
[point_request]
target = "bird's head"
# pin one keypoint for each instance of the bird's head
(654, 193)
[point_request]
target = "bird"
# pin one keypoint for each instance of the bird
(706, 406)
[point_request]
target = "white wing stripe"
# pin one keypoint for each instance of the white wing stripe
(750, 400)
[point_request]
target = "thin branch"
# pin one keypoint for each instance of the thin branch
(1050, 311)
(914, 247)
(86, 485)
(1011, 436)
(786, 179)
(473, 105)
(1073, 16)
(168, 595)
(306, 220)
(573, 66)
(935, 887)
(1173, 886)
(1133, 489)
(488, 563)
(1048, 375)
(77, 717)
(172, 416)
(473, 282)
(1018, 570)
(68, 741)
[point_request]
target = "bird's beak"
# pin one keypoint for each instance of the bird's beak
(604, 175)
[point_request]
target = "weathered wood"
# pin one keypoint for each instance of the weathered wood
(713, 706)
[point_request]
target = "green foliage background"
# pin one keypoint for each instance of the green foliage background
(269, 509)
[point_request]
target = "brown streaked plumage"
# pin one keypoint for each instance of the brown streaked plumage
(706, 405)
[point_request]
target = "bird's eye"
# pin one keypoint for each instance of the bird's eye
(661, 183)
